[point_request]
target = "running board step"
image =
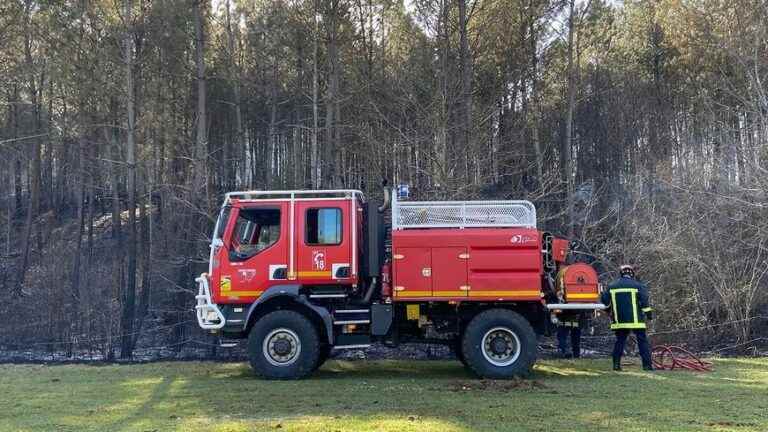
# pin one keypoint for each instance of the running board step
(351, 346)
(328, 292)
(321, 296)
(361, 321)
(351, 316)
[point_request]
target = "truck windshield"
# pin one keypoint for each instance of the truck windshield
(221, 223)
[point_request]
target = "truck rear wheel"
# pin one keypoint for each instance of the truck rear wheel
(283, 344)
(499, 343)
(457, 350)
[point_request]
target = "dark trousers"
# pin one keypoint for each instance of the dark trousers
(642, 344)
(562, 340)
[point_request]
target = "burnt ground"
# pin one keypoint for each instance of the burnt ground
(195, 350)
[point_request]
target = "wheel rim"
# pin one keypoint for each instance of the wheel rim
(501, 346)
(282, 347)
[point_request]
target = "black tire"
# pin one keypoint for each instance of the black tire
(457, 350)
(325, 352)
(293, 335)
(503, 331)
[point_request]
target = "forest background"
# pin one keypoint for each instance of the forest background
(638, 127)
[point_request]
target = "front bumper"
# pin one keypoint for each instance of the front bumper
(209, 316)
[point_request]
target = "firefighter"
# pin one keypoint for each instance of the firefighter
(569, 324)
(628, 304)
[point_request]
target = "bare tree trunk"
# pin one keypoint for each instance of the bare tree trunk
(200, 176)
(535, 99)
(17, 194)
(117, 231)
(571, 105)
(6, 178)
(16, 162)
(466, 84)
(91, 209)
(48, 196)
(34, 186)
(340, 168)
(273, 139)
(235, 77)
(201, 141)
(443, 106)
(129, 306)
(145, 218)
(80, 212)
(332, 92)
(81, 145)
(316, 172)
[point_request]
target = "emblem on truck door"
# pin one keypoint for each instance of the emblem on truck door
(318, 259)
(247, 275)
(520, 238)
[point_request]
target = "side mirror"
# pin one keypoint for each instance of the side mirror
(217, 242)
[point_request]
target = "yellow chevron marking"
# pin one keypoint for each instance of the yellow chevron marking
(413, 293)
(504, 293)
(581, 296)
(314, 274)
(241, 293)
(496, 294)
(449, 293)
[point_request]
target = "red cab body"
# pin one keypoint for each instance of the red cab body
(272, 242)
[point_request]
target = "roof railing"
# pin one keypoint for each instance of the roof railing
(293, 194)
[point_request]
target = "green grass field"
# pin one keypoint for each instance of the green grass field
(382, 396)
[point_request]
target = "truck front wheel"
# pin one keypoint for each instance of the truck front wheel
(283, 344)
(499, 343)
(325, 352)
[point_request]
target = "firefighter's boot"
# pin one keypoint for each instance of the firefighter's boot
(648, 367)
(617, 364)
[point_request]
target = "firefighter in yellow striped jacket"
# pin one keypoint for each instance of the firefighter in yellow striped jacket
(629, 306)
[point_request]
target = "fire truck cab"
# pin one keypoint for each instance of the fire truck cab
(299, 273)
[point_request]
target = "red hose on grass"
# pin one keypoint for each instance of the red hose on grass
(670, 357)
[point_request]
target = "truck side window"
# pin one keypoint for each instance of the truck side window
(256, 229)
(323, 226)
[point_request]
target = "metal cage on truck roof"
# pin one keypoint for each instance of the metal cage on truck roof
(462, 214)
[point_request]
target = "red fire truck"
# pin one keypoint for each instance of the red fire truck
(299, 273)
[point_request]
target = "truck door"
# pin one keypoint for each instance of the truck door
(323, 241)
(255, 252)
(449, 273)
(412, 272)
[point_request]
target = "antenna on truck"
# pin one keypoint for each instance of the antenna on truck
(386, 203)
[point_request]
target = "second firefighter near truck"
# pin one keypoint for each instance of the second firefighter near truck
(629, 307)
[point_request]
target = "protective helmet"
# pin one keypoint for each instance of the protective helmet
(627, 270)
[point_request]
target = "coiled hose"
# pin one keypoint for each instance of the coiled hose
(670, 357)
